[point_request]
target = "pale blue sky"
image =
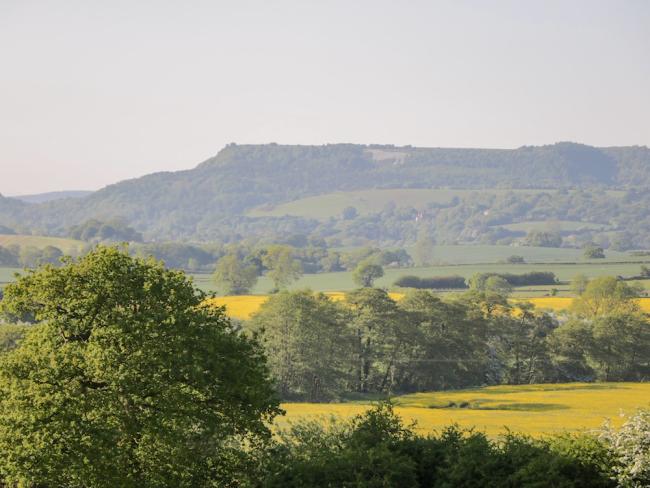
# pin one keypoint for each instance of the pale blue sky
(92, 92)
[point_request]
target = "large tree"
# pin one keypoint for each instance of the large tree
(127, 379)
(233, 277)
(307, 342)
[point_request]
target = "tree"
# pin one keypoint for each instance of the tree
(515, 259)
(378, 339)
(593, 252)
(283, 268)
(366, 273)
(603, 296)
(128, 379)
(307, 343)
(423, 251)
(350, 213)
(645, 271)
(233, 277)
(579, 284)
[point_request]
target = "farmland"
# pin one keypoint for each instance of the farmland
(323, 207)
(243, 306)
(68, 246)
(529, 409)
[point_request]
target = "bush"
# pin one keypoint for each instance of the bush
(433, 283)
(376, 449)
(534, 278)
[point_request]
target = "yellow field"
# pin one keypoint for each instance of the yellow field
(528, 409)
(243, 306)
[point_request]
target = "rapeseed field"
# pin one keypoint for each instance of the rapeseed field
(529, 409)
(243, 306)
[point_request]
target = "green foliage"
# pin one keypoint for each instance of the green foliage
(282, 265)
(543, 239)
(126, 368)
(433, 283)
(594, 252)
(605, 295)
(11, 335)
(375, 449)
(366, 273)
(233, 277)
(94, 230)
(307, 343)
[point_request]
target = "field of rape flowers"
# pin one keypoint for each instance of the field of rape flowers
(529, 409)
(243, 306)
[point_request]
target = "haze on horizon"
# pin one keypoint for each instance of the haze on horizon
(95, 92)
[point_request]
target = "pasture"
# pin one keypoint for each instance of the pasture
(565, 271)
(322, 207)
(68, 246)
(529, 409)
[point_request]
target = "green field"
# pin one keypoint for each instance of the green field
(464, 261)
(558, 225)
(68, 246)
(323, 207)
(343, 281)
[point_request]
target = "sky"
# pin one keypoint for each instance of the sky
(93, 92)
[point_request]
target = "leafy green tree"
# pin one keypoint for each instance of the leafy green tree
(605, 295)
(424, 249)
(593, 252)
(307, 343)
(233, 277)
(283, 267)
(579, 284)
(378, 339)
(128, 380)
(11, 335)
(446, 343)
(366, 273)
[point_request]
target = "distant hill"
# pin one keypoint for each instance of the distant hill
(211, 201)
(51, 196)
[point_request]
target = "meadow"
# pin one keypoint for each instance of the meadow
(68, 246)
(529, 409)
(323, 207)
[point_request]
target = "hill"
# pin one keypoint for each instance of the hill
(211, 201)
(51, 196)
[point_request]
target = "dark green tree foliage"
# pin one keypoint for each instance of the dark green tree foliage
(375, 449)
(94, 230)
(433, 283)
(127, 380)
(446, 347)
(594, 252)
(544, 238)
(233, 277)
(308, 344)
(367, 272)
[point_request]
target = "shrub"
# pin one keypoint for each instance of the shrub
(435, 282)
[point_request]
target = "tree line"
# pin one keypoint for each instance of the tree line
(320, 349)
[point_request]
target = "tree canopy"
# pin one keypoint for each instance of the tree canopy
(127, 379)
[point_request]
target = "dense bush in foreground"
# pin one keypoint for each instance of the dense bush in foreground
(375, 449)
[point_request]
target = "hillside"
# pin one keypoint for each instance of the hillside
(51, 196)
(210, 201)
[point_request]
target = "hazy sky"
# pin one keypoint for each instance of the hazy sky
(92, 92)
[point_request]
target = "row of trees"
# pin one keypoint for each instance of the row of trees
(319, 349)
(29, 256)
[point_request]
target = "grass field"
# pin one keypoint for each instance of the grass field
(559, 225)
(322, 207)
(7, 275)
(342, 281)
(528, 409)
(68, 246)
